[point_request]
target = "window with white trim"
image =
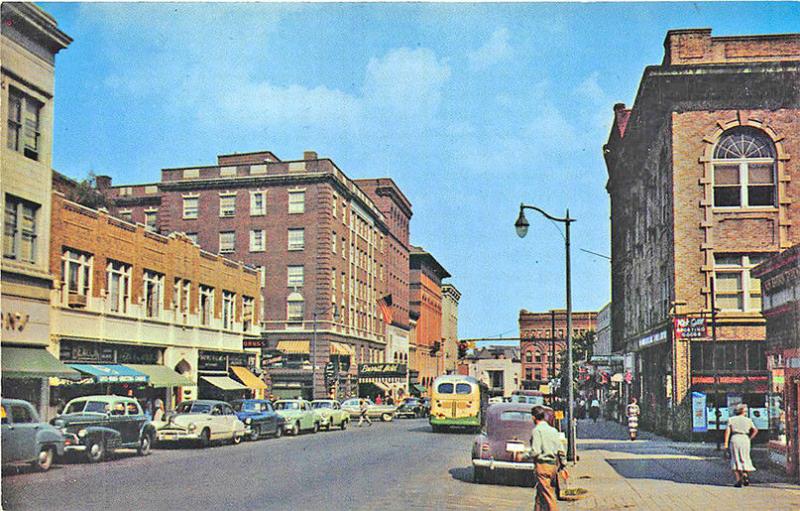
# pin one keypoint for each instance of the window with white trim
(23, 123)
(297, 202)
(333, 243)
(119, 286)
(744, 169)
(248, 312)
(257, 240)
(151, 219)
(296, 239)
(227, 204)
(206, 304)
(295, 307)
(735, 287)
(190, 207)
(20, 229)
(227, 242)
(76, 272)
(192, 237)
(295, 276)
(126, 214)
(334, 203)
(228, 309)
(181, 292)
(153, 293)
(258, 202)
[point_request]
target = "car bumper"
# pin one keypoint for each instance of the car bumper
(177, 436)
(503, 465)
(74, 448)
(461, 421)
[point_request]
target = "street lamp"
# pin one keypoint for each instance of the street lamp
(314, 346)
(522, 229)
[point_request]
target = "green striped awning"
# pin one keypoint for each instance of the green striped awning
(19, 362)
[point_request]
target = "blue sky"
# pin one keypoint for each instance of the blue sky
(470, 108)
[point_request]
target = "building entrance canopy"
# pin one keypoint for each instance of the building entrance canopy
(33, 363)
(224, 383)
(249, 379)
(111, 373)
(162, 376)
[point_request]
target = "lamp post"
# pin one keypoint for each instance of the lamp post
(522, 229)
(314, 346)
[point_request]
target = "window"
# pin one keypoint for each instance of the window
(528, 356)
(228, 309)
(333, 243)
(20, 414)
(344, 248)
(334, 203)
(227, 204)
(151, 219)
(227, 242)
(295, 276)
(19, 234)
(297, 202)
(257, 240)
(248, 311)
(296, 239)
(126, 214)
(76, 272)
(295, 307)
(736, 289)
(538, 356)
(180, 295)
(153, 293)
(258, 203)
(206, 304)
(192, 236)
(744, 169)
(119, 286)
(23, 124)
(537, 374)
(190, 205)
(528, 373)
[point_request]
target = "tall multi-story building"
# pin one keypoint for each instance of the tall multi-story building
(426, 302)
(30, 41)
(318, 239)
(543, 338)
(702, 171)
(148, 315)
(450, 297)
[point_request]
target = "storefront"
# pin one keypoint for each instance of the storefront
(26, 371)
(382, 379)
(215, 370)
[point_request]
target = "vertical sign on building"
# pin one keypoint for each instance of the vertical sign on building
(699, 419)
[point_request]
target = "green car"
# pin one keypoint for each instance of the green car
(331, 414)
(298, 416)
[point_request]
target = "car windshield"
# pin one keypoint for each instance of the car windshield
(188, 407)
(247, 406)
(411, 402)
(516, 416)
(84, 406)
(287, 405)
(322, 404)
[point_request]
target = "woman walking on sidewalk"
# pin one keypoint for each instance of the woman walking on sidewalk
(738, 435)
(633, 411)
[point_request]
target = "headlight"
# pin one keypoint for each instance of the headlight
(248, 420)
(82, 433)
(63, 430)
(192, 426)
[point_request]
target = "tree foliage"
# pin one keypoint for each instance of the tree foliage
(85, 192)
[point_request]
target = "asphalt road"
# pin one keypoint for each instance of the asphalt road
(399, 465)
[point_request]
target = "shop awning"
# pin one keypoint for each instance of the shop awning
(111, 373)
(249, 379)
(339, 348)
(224, 383)
(418, 389)
(296, 347)
(18, 362)
(162, 376)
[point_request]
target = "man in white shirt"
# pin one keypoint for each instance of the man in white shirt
(547, 453)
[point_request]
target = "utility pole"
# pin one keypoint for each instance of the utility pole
(717, 413)
(553, 347)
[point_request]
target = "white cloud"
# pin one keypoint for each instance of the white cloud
(496, 49)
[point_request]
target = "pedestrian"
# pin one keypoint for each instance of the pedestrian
(378, 400)
(633, 412)
(740, 432)
(581, 411)
(390, 400)
(363, 409)
(594, 409)
(548, 454)
(158, 413)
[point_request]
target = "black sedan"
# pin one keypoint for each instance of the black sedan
(410, 407)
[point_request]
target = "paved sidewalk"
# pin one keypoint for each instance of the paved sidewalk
(657, 474)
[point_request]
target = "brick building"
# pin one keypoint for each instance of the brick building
(426, 303)
(701, 175)
(540, 332)
(30, 40)
(169, 317)
(450, 298)
(318, 239)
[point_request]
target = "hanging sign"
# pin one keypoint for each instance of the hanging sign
(690, 328)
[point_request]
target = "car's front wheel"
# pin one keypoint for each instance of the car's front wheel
(344, 424)
(387, 417)
(205, 438)
(278, 431)
(296, 429)
(237, 439)
(45, 458)
(145, 444)
(255, 433)
(95, 451)
(316, 427)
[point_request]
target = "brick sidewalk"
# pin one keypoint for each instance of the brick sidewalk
(657, 474)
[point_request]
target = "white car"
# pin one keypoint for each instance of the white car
(202, 421)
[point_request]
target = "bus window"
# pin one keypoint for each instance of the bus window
(463, 388)
(445, 388)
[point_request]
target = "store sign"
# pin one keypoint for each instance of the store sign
(211, 361)
(379, 370)
(253, 343)
(699, 412)
(655, 338)
(101, 353)
(690, 328)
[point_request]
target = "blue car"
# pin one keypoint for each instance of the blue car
(25, 439)
(259, 418)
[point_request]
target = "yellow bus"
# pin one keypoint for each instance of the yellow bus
(458, 400)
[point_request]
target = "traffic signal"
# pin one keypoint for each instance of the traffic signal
(462, 349)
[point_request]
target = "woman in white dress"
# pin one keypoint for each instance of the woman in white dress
(737, 438)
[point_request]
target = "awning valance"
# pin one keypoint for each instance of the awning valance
(111, 373)
(339, 348)
(19, 362)
(295, 347)
(162, 376)
(224, 383)
(249, 379)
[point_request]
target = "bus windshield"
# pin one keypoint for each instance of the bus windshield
(445, 388)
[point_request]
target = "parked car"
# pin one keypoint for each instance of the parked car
(384, 412)
(410, 407)
(331, 414)
(426, 406)
(25, 439)
(501, 448)
(99, 425)
(298, 415)
(203, 421)
(259, 418)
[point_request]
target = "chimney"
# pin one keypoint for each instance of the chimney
(310, 155)
(102, 182)
(618, 107)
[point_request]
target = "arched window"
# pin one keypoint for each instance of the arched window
(744, 169)
(528, 356)
(538, 356)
